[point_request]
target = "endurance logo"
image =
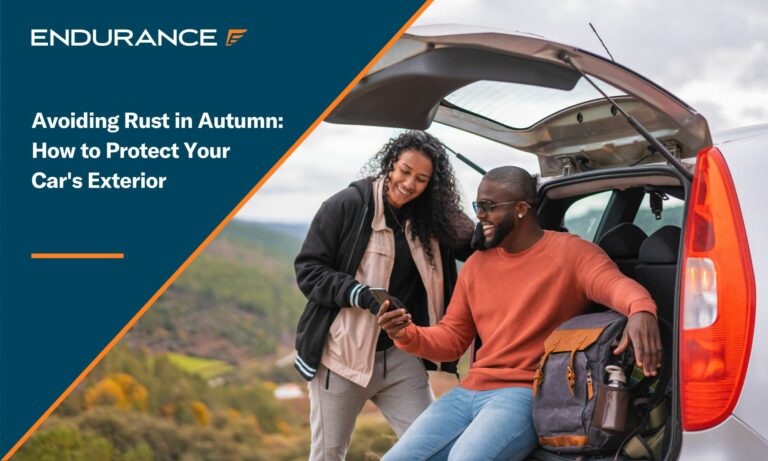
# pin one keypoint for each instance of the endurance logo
(131, 38)
(234, 35)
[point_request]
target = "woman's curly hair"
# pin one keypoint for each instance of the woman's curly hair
(436, 213)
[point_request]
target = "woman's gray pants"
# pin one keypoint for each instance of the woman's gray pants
(401, 394)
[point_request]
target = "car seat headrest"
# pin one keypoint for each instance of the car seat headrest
(622, 241)
(661, 246)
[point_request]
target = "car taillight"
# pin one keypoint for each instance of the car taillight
(717, 297)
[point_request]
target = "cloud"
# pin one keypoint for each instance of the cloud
(730, 82)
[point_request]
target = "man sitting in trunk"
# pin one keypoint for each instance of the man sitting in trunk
(513, 295)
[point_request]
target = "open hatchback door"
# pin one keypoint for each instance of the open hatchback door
(517, 90)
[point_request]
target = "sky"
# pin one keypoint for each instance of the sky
(711, 54)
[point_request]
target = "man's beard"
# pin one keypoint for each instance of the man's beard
(500, 231)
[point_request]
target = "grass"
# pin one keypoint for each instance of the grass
(207, 368)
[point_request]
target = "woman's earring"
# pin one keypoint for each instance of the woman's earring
(520, 215)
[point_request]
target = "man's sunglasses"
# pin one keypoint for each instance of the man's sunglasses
(487, 206)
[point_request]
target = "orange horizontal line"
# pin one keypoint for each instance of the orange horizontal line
(78, 255)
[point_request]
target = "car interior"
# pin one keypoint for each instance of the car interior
(636, 216)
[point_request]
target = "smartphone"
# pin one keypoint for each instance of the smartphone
(381, 295)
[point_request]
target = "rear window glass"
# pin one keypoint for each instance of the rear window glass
(584, 215)
(671, 214)
(520, 106)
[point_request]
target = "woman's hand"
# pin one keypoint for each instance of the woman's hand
(393, 322)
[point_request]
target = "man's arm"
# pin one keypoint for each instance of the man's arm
(444, 342)
(605, 284)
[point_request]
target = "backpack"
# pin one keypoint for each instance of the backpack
(575, 411)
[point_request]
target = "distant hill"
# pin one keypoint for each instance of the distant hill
(278, 239)
(296, 230)
(236, 305)
(237, 300)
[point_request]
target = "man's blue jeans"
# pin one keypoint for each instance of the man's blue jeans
(471, 425)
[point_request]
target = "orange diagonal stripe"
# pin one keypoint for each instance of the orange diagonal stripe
(78, 255)
(216, 231)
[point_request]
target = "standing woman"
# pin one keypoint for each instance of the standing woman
(400, 229)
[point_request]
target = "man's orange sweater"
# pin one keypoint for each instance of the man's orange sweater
(513, 301)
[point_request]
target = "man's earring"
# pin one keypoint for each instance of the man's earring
(520, 215)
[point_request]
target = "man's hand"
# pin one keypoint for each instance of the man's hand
(393, 322)
(642, 332)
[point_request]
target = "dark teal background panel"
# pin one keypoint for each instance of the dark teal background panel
(57, 315)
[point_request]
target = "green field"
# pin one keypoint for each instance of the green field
(207, 368)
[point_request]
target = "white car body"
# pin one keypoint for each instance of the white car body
(744, 435)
